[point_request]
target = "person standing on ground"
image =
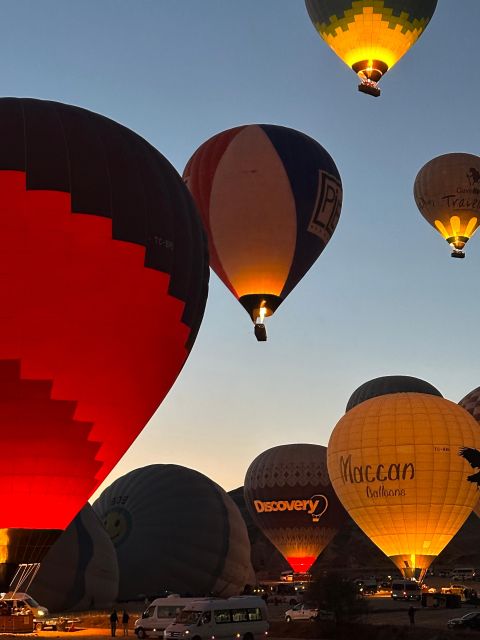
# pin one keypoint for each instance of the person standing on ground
(113, 622)
(411, 615)
(125, 619)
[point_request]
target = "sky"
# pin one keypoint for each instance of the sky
(383, 298)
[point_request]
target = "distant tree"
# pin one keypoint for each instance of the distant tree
(334, 593)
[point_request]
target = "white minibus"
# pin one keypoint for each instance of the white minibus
(465, 573)
(406, 590)
(243, 617)
(159, 615)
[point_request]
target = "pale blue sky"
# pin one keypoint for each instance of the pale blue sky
(384, 297)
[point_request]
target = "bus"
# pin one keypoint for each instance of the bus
(243, 617)
(158, 615)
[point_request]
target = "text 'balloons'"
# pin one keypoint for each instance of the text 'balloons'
(394, 463)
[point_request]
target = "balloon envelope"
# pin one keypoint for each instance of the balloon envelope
(80, 571)
(270, 198)
(447, 193)
(290, 498)
(370, 36)
(103, 273)
(471, 403)
(394, 463)
(390, 384)
(175, 529)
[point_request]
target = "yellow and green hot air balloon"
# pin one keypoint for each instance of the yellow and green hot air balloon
(447, 193)
(394, 463)
(370, 36)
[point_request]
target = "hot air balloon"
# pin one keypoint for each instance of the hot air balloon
(393, 461)
(370, 36)
(390, 384)
(104, 276)
(447, 193)
(175, 529)
(270, 198)
(290, 498)
(471, 402)
(80, 571)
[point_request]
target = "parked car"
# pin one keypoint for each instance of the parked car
(470, 620)
(302, 611)
(308, 612)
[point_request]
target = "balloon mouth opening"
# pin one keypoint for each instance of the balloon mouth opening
(260, 305)
(301, 564)
(370, 73)
(413, 566)
(457, 243)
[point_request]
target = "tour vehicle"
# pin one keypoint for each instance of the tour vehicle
(243, 617)
(159, 614)
(406, 590)
(463, 573)
(18, 601)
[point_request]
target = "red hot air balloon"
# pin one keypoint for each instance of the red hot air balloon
(270, 198)
(290, 498)
(104, 277)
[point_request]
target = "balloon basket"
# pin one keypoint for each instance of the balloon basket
(370, 88)
(456, 253)
(260, 332)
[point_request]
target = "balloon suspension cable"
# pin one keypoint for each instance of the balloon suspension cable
(260, 329)
(369, 87)
(24, 577)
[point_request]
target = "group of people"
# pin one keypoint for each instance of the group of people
(114, 619)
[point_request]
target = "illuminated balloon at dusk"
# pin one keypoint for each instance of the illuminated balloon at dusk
(390, 384)
(104, 276)
(290, 498)
(447, 193)
(394, 463)
(270, 198)
(370, 36)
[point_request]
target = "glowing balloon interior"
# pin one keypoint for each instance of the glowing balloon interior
(370, 36)
(393, 461)
(447, 193)
(290, 498)
(104, 276)
(270, 198)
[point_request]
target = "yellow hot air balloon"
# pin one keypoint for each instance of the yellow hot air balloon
(393, 461)
(370, 36)
(447, 193)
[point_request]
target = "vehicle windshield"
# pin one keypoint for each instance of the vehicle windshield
(189, 617)
(167, 612)
(469, 616)
(31, 602)
(412, 587)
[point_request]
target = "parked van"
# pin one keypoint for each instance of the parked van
(467, 573)
(406, 590)
(242, 617)
(159, 615)
(17, 601)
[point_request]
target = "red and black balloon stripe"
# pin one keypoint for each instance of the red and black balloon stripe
(104, 278)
